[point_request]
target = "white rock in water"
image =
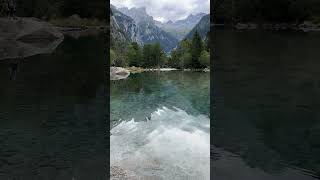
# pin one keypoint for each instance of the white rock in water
(117, 73)
(24, 37)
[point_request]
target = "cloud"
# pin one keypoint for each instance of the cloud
(165, 10)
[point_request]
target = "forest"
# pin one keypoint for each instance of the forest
(191, 53)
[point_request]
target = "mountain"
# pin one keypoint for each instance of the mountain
(123, 28)
(190, 21)
(203, 27)
(138, 14)
(148, 32)
(181, 28)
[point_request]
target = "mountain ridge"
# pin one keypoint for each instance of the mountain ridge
(148, 32)
(203, 27)
(181, 28)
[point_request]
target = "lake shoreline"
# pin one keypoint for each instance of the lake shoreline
(306, 26)
(118, 73)
(140, 69)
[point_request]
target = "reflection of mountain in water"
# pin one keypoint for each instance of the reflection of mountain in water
(170, 145)
(140, 94)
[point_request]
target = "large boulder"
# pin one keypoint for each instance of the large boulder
(117, 73)
(23, 37)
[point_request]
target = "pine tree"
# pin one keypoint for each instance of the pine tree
(134, 54)
(157, 53)
(147, 59)
(196, 49)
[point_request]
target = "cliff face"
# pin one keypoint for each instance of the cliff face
(203, 27)
(123, 28)
(140, 27)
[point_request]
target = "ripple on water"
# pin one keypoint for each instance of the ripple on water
(171, 145)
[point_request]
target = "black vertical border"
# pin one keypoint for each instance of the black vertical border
(211, 39)
(107, 75)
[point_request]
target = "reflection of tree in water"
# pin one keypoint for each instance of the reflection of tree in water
(141, 94)
(195, 87)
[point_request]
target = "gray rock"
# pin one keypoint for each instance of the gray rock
(24, 37)
(117, 73)
(246, 26)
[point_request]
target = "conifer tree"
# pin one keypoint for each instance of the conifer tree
(196, 49)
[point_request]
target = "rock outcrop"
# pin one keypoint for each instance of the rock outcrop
(145, 31)
(24, 37)
(117, 73)
(123, 28)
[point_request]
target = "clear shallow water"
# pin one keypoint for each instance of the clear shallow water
(52, 113)
(266, 102)
(160, 126)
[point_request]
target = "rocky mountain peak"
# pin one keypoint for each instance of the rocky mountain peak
(138, 14)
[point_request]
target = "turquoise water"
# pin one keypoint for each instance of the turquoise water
(141, 94)
(160, 125)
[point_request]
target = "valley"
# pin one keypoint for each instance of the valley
(137, 39)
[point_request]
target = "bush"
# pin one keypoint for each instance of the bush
(204, 59)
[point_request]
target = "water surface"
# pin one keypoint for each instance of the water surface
(160, 126)
(266, 102)
(52, 113)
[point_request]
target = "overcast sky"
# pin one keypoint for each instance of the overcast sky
(164, 10)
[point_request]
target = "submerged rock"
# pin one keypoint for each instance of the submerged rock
(118, 173)
(117, 73)
(24, 37)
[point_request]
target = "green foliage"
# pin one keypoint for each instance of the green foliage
(174, 60)
(153, 56)
(134, 55)
(189, 54)
(185, 61)
(148, 56)
(204, 59)
(112, 57)
(196, 49)
(207, 42)
(192, 54)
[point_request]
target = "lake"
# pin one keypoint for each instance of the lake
(53, 113)
(266, 102)
(160, 126)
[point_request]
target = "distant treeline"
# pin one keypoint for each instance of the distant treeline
(297, 11)
(60, 8)
(193, 54)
